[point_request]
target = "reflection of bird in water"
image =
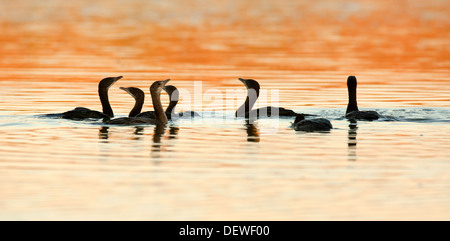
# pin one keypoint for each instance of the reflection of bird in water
(81, 113)
(310, 125)
(138, 132)
(103, 133)
(245, 110)
(252, 132)
(160, 115)
(352, 132)
(352, 108)
(159, 132)
(173, 132)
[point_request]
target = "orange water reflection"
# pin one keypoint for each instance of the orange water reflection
(299, 46)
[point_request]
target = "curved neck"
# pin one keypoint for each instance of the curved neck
(157, 106)
(252, 96)
(137, 107)
(173, 97)
(103, 94)
(171, 107)
(352, 105)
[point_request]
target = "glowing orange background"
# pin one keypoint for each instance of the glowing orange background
(398, 49)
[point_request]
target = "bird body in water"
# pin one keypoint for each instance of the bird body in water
(363, 115)
(353, 112)
(81, 113)
(245, 110)
(139, 96)
(311, 125)
(173, 93)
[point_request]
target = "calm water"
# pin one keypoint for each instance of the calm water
(216, 168)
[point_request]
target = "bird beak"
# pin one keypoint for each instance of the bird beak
(115, 79)
(126, 90)
(244, 81)
(165, 82)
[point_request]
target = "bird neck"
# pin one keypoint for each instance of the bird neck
(171, 107)
(252, 96)
(157, 106)
(104, 99)
(137, 107)
(352, 105)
